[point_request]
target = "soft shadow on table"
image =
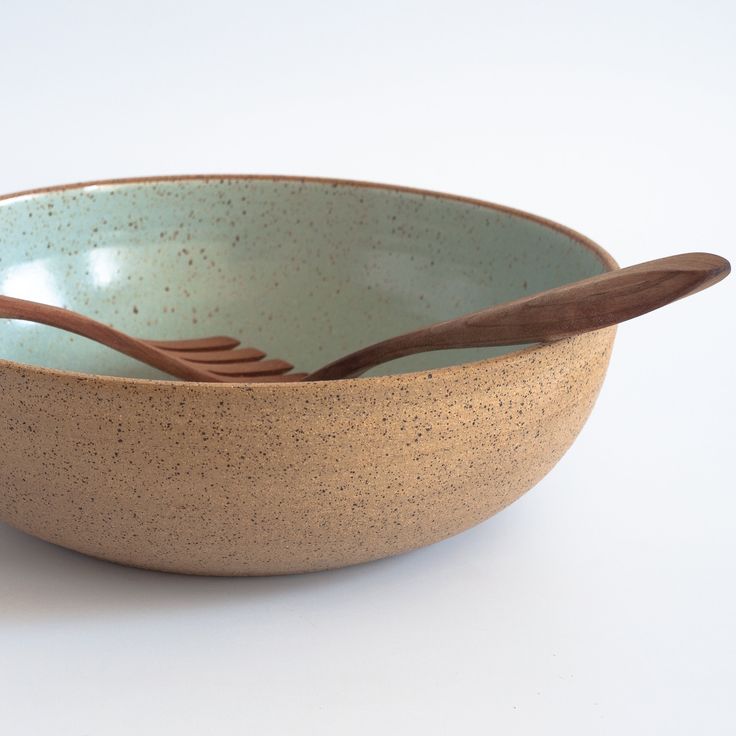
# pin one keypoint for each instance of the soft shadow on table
(41, 581)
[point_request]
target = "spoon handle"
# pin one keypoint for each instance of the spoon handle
(582, 306)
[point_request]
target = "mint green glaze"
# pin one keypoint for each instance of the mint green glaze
(305, 270)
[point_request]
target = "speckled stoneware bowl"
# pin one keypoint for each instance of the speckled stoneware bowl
(107, 457)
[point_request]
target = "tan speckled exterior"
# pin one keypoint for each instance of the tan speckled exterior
(225, 480)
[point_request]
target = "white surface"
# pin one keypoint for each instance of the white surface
(602, 602)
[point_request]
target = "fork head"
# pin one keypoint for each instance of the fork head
(222, 361)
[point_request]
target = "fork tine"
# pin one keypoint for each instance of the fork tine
(224, 356)
(250, 368)
(202, 343)
(218, 358)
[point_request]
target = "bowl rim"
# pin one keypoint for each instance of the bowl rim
(607, 260)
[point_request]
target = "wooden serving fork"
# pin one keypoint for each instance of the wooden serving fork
(199, 359)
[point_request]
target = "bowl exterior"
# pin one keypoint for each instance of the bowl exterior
(267, 479)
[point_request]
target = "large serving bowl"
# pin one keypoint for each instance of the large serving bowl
(105, 456)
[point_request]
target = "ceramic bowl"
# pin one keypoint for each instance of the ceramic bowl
(105, 456)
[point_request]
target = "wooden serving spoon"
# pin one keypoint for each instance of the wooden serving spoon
(582, 306)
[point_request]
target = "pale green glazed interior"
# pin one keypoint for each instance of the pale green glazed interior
(305, 270)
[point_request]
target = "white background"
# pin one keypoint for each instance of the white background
(602, 602)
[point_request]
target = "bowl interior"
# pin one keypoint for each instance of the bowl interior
(305, 270)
